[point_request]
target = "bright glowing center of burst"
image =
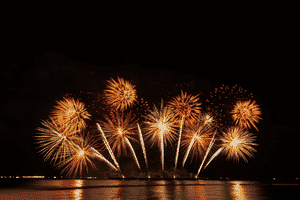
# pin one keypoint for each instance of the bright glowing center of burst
(198, 137)
(81, 153)
(162, 127)
(208, 119)
(70, 112)
(120, 131)
(235, 142)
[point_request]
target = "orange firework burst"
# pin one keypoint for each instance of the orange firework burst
(119, 130)
(56, 144)
(70, 115)
(161, 122)
(238, 142)
(245, 112)
(82, 152)
(186, 106)
(197, 137)
(161, 127)
(120, 95)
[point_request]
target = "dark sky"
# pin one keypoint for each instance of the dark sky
(35, 75)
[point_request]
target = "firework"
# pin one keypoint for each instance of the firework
(119, 129)
(237, 142)
(70, 115)
(161, 129)
(143, 146)
(69, 150)
(108, 148)
(187, 107)
(81, 156)
(207, 151)
(120, 95)
(197, 137)
(245, 112)
(221, 100)
(55, 144)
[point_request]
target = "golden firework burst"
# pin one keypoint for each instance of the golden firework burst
(245, 113)
(120, 94)
(119, 129)
(186, 106)
(197, 138)
(82, 153)
(160, 122)
(70, 114)
(161, 127)
(238, 142)
(55, 143)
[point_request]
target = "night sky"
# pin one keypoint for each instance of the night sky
(33, 79)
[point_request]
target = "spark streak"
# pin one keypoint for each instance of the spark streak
(132, 150)
(179, 139)
(143, 146)
(208, 149)
(189, 149)
(108, 148)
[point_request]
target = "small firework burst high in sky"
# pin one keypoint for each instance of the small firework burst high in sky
(71, 115)
(120, 94)
(245, 113)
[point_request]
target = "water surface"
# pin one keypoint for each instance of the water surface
(149, 189)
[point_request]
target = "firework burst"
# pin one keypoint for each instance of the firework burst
(119, 129)
(120, 95)
(82, 153)
(221, 100)
(245, 112)
(186, 107)
(197, 138)
(54, 142)
(161, 127)
(70, 115)
(238, 143)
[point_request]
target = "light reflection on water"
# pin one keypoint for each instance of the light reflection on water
(138, 189)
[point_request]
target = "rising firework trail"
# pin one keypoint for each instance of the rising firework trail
(198, 137)
(143, 146)
(189, 149)
(214, 155)
(132, 150)
(109, 149)
(208, 149)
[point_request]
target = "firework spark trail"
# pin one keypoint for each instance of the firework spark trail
(189, 149)
(213, 156)
(208, 149)
(162, 149)
(99, 155)
(108, 148)
(179, 139)
(132, 150)
(143, 146)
